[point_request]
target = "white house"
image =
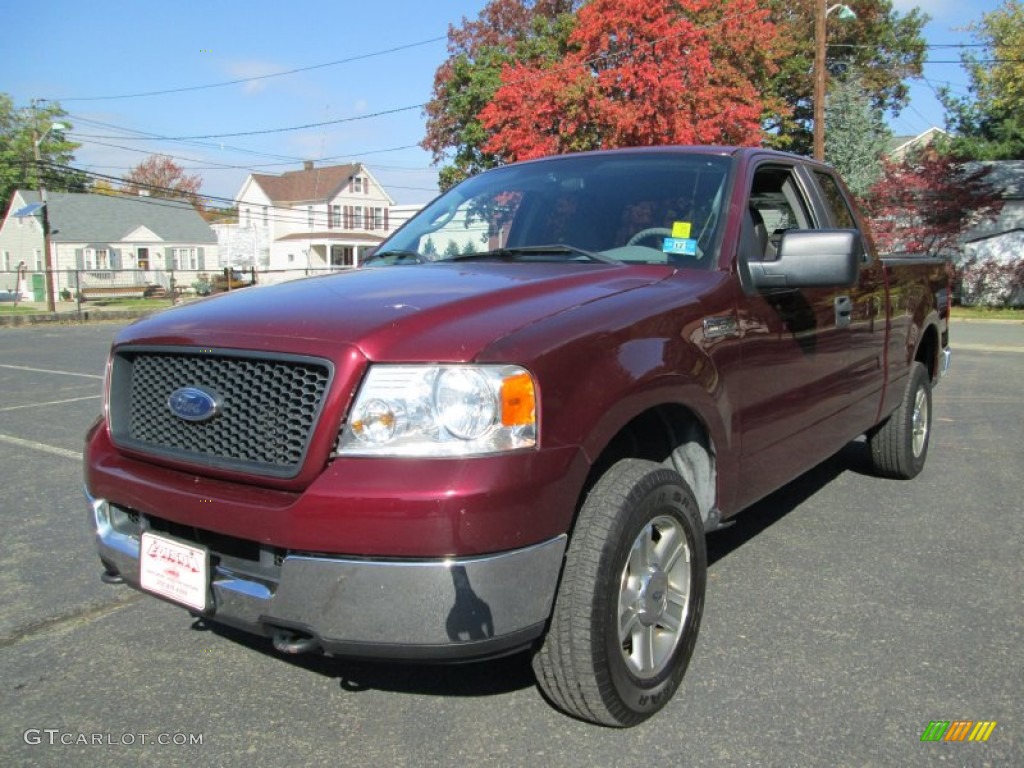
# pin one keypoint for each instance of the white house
(999, 241)
(101, 241)
(901, 146)
(316, 218)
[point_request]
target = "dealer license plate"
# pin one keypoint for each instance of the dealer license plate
(174, 570)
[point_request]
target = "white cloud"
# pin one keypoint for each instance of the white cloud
(240, 70)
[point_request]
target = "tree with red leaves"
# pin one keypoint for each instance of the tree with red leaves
(160, 176)
(638, 72)
(926, 202)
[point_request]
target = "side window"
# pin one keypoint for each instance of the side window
(838, 208)
(776, 204)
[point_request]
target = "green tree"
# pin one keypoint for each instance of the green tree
(881, 48)
(856, 136)
(104, 187)
(20, 129)
(506, 32)
(989, 122)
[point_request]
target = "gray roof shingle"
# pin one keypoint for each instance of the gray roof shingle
(85, 218)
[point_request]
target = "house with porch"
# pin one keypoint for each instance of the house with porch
(103, 244)
(314, 218)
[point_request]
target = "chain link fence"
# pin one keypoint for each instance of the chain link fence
(85, 288)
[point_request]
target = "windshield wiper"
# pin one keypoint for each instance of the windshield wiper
(395, 257)
(540, 250)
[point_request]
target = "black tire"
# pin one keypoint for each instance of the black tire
(612, 576)
(899, 445)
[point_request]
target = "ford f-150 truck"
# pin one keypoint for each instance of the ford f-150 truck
(513, 428)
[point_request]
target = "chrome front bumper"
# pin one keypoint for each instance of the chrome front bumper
(443, 609)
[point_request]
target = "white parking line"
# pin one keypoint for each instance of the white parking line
(51, 402)
(987, 347)
(11, 440)
(45, 370)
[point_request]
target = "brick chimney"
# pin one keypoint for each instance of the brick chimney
(307, 165)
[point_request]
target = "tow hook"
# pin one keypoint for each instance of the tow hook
(111, 577)
(288, 641)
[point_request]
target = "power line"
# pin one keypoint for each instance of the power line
(239, 81)
(595, 59)
(228, 166)
(263, 131)
(218, 146)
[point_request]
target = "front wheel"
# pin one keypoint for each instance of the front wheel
(628, 609)
(899, 446)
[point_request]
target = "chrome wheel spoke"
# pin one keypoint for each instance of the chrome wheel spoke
(919, 422)
(643, 648)
(639, 556)
(675, 611)
(675, 547)
(629, 618)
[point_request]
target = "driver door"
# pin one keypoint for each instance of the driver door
(793, 351)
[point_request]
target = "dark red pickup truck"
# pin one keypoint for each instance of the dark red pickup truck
(519, 444)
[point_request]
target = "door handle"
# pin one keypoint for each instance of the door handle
(844, 311)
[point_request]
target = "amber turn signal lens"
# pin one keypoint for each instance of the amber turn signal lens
(518, 401)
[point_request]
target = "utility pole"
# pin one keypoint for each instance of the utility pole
(44, 216)
(819, 79)
(821, 12)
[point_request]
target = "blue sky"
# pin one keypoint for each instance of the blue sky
(74, 52)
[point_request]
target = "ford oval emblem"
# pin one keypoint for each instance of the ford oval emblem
(193, 404)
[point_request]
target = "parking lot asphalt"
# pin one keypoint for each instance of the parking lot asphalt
(844, 614)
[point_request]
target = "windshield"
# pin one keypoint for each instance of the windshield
(653, 208)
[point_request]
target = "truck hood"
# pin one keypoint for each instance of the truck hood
(433, 312)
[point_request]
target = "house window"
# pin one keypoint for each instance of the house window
(185, 258)
(357, 217)
(357, 184)
(39, 259)
(378, 218)
(96, 258)
(265, 215)
(342, 256)
(7, 261)
(247, 218)
(335, 220)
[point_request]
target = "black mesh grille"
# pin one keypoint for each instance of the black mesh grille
(267, 408)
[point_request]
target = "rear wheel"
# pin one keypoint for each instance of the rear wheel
(628, 609)
(899, 446)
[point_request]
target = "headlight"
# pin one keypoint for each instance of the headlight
(441, 410)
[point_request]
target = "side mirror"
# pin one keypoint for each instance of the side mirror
(811, 258)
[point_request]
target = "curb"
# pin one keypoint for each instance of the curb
(73, 318)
